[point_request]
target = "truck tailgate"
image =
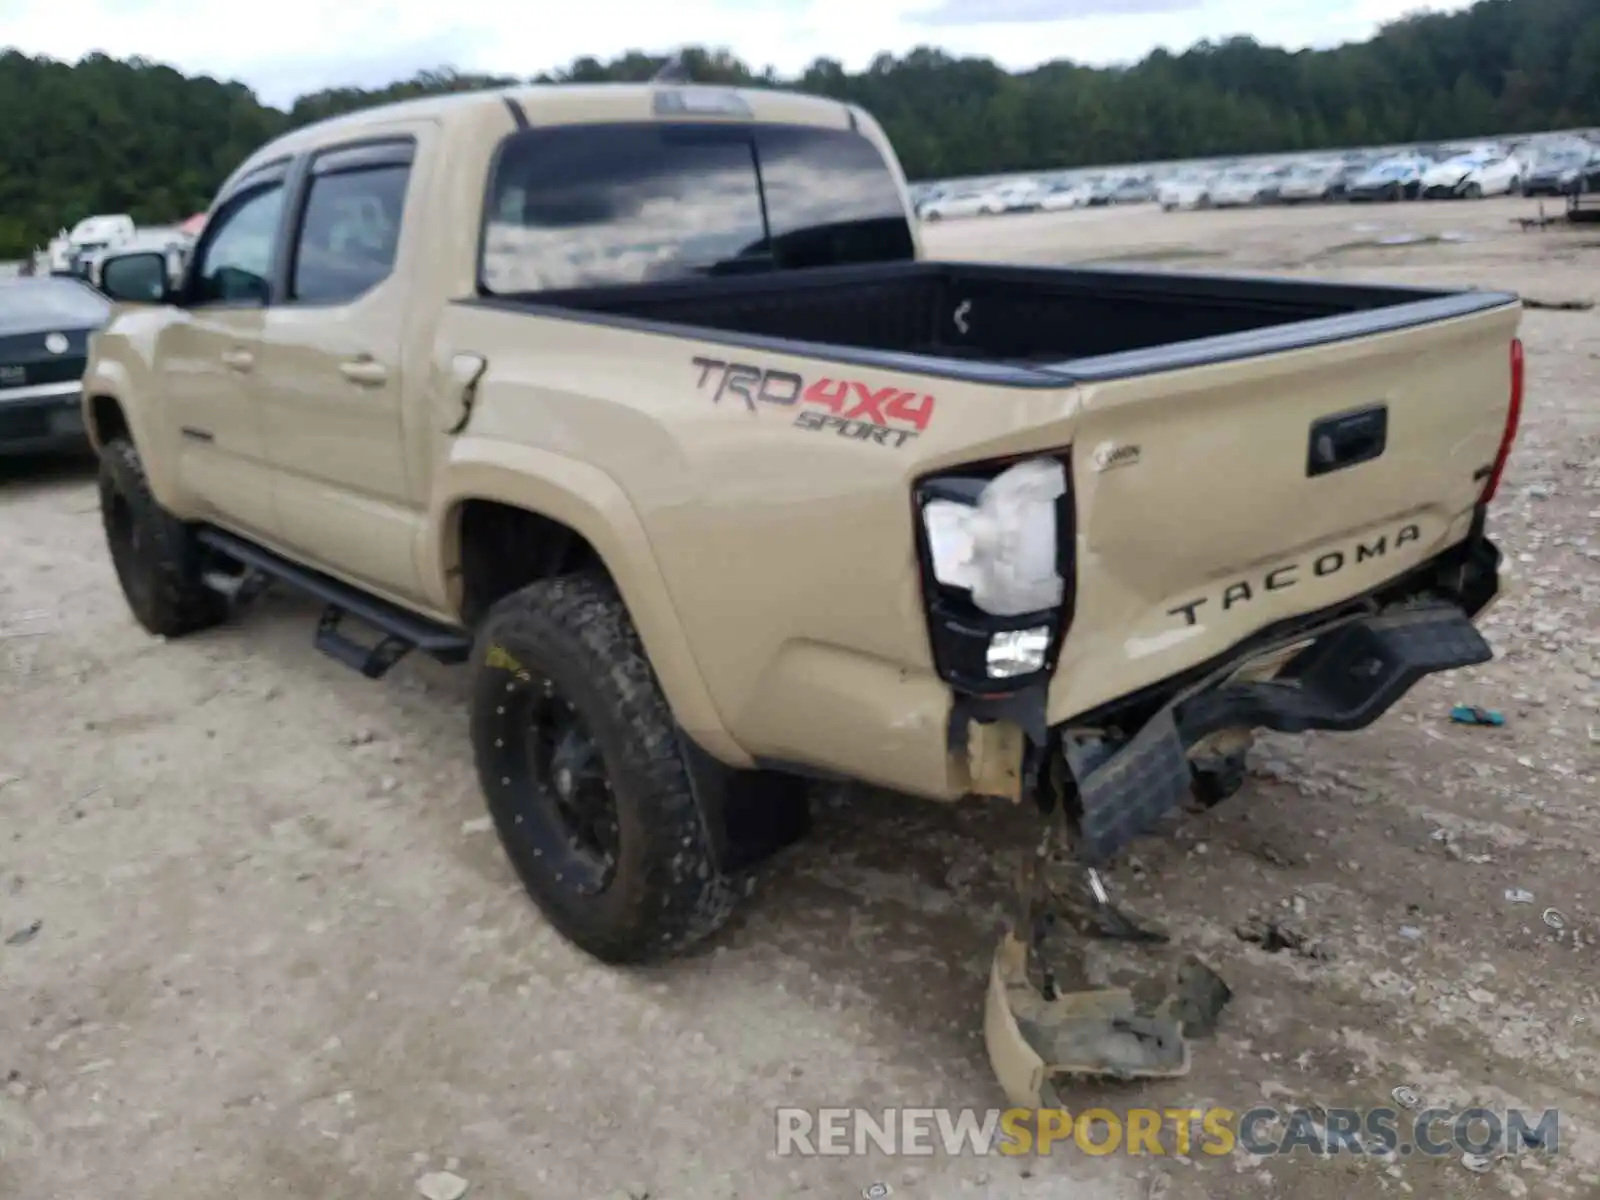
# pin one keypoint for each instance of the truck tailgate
(1216, 500)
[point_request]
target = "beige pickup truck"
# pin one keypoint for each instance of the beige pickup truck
(643, 401)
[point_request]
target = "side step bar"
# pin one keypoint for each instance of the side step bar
(399, 631)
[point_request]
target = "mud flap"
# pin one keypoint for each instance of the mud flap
(1125, 795)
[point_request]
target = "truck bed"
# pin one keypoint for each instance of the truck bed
(1244, 452)
(1046, 325)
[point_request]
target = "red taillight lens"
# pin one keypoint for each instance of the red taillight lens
(1513, 420)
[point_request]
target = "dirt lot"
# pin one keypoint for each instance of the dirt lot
(274, 953)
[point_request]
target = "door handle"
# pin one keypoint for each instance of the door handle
(364, 370)
(238, 360)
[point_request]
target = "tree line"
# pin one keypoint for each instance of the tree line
(110, 135)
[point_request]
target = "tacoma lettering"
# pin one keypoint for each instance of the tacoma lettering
(1243, 591)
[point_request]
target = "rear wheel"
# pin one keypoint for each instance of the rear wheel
(579, 759)
(155, 555)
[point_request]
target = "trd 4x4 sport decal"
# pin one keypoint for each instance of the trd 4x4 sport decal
(889, 416)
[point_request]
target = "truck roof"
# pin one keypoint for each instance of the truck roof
(570, 103)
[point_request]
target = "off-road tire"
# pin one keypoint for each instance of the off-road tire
(665, 892)
(155, 555)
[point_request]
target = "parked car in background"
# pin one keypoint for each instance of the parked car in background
(57, 256)
(1348, 173)
(1310, 182)
(1022, 195)
(961, 204)
(1272, 182)
(1391, 179)
(1101, 190)
(1472, 176)
(1184, 191)
(1061, 196)
(1584, 184)
(45, 323)
(1556, 170)
(1135, 189)
(1239, 188)
(95, 234)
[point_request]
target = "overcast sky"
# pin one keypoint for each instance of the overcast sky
(286, 47)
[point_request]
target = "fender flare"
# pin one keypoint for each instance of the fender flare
(111, 379)
(108, 380)
(592, 504)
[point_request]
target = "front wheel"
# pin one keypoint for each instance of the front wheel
(1473, 191)
(579, 759)
(155, 555)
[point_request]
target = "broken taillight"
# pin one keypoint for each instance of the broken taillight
(1513, 420)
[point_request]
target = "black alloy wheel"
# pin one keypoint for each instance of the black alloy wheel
(555, 786)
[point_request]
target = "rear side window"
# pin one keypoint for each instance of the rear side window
(587, 206)
(349, 233)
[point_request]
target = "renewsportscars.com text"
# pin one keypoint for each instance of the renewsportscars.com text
(1261, 1131)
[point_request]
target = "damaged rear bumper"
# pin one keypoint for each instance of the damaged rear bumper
(1345, 679)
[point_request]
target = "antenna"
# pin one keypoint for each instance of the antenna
(674, 70)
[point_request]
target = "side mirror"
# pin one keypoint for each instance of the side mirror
(138, 277)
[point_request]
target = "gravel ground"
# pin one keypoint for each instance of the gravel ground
(255, 940)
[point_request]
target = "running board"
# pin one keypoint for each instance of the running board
(399, 631)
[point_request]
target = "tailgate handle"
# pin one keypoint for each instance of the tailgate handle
(1345, 439)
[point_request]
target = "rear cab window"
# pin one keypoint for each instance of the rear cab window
(595, 205)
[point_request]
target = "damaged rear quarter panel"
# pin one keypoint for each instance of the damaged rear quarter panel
(784, 539)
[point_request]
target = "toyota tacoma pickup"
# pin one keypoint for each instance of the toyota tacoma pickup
(643, 401)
